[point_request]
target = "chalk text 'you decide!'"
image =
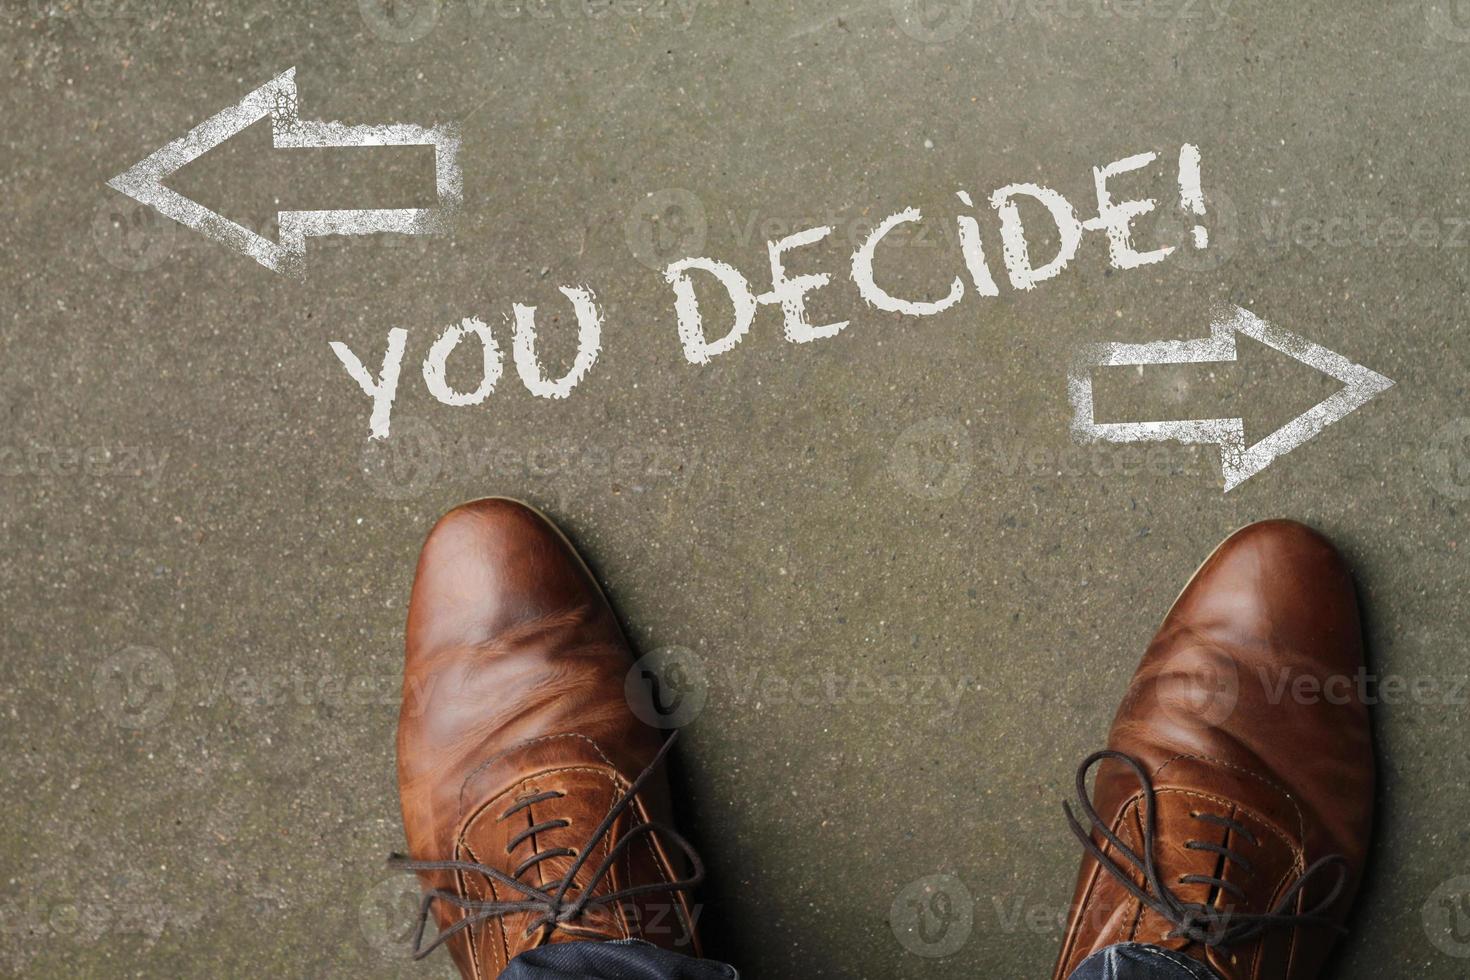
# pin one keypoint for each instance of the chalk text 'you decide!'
(1113, 219)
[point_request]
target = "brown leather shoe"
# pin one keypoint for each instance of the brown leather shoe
(1232, 808)
(535, 801)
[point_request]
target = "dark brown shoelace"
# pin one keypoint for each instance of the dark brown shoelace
(551, 902)
(1200, 923)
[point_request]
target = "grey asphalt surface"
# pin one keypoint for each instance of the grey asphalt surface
(206, 562)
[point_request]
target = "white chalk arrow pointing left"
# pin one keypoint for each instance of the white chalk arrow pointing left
(1238, 462)
(277, 98)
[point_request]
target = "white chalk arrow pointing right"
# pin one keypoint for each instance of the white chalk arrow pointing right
(1238, 462)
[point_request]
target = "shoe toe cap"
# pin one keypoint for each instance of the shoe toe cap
(1275, 588)
(486, 566)
(1259, 666)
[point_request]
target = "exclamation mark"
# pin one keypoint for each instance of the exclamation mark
(1191, 198)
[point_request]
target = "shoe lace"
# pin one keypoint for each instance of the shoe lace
(1204, 924)
(551, 902)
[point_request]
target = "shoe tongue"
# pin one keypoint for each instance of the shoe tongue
(1175, 828)
(567, 802)
(1173, 861)
(1261, 861)
(586, 802)
(1199, 801)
